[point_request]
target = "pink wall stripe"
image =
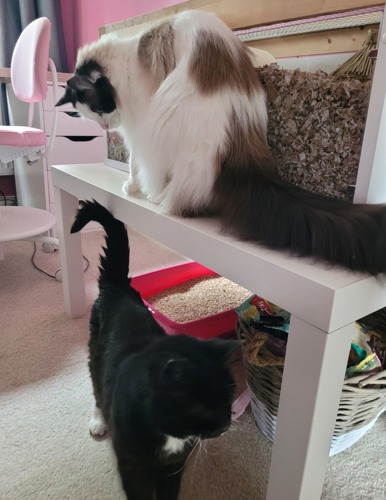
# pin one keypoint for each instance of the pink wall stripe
(82, 18)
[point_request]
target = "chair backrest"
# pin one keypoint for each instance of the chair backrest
(29, 71)
(29, 64)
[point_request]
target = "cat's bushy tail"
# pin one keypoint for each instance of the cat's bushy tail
(114, 264)
(282, 216)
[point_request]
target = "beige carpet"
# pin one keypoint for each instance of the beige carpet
(46, 451)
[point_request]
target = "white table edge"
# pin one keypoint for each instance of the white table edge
(326, 298)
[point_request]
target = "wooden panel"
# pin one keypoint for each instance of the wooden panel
(324, 42)
(245, 13)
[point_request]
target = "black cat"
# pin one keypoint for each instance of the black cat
(157, 395)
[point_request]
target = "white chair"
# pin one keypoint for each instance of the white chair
(29, 74)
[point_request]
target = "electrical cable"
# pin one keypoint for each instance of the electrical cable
(53, 275)
(4, 198)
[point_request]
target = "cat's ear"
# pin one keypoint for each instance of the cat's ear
(75, 83)
(80, 82)
(229, 349)
(67, 97)
(174, 369)
(63, 100)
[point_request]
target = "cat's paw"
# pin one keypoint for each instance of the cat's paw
(154, 198)
(97, 425)
(97, 429)
(130, 187)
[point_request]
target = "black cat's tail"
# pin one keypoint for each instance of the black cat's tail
(114, 264)
(261, 207)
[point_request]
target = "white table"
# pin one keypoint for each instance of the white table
(324, 304)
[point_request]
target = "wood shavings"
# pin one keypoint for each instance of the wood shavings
(315, 127)
(198, 298)
(116, 149)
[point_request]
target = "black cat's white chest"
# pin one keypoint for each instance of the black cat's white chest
(174, 445)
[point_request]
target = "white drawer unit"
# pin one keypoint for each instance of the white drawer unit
(70, 124)
(84, 149)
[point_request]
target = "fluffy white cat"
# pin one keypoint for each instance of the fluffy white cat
(186, 98)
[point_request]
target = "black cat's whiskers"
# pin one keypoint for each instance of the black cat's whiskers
(206, 446)
(197, 449)
(196, 442)
(234, 426)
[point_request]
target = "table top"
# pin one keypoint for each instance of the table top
(328, 298)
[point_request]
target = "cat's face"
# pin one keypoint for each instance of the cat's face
(93, 96)
(194, 391)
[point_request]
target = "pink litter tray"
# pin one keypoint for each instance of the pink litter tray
(215, 325)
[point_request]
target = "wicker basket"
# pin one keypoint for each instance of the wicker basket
(362, 401)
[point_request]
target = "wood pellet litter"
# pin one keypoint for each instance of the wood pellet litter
(198, 298)
(315, 127)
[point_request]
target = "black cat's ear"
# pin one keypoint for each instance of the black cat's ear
(174, 369)
(229, 349)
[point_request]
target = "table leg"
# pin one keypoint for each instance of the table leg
(71, 259)
(309, 400)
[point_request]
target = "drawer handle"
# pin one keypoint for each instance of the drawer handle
(73, 114)
(80, 138)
